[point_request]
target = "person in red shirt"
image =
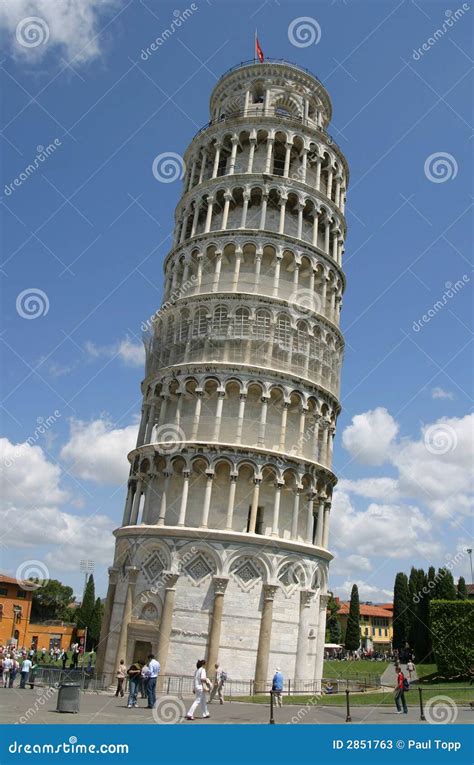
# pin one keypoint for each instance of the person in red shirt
(400, 689)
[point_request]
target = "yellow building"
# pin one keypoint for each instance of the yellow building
(376, 625)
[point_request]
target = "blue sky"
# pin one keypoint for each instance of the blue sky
(91, 226)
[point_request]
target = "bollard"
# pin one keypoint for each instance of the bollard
(272, 719)
(422, 712)
(348, 709)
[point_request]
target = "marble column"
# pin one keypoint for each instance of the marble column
(302, 668)
(105, 627)
(231, 500)
(164, 635)
(320, 521)
(207, 501)
(220, 584)
(184, 498)
(263, 651)
(327, 511)
(164, 496)
(122, 653)
(321, 635)
(254, 506)
(276, 508)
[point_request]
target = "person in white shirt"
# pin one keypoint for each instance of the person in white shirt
(201, 685)
(25, 671)
(7, 665)
(154, 667)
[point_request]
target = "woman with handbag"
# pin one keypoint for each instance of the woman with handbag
(201, 685)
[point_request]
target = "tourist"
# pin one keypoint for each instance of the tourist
(219, 679)
(329, 688)
(13, 672)
(201, 685)
(25, 671)
(121, 674)
(64, 658)
(145, 676)
(401, 687)
(6, 667)
(410, 668)
(277, 686)
(133, 673)
(154, 667)
(32, 677)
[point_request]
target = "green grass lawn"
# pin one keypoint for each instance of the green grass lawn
(47, 663)
(354, 670)
(462, 695)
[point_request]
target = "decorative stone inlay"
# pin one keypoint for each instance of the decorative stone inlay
(153, 567)
(198, 569)
(220, 584)
(247, 574)
(291, 577)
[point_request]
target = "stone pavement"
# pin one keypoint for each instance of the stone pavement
(38, 707)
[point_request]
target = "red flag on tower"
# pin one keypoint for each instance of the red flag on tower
(258, 49)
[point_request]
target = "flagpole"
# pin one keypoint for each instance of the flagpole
(255, 47)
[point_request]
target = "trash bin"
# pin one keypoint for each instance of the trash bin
(68, 698)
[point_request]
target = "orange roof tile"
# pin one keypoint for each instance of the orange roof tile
(365, 610)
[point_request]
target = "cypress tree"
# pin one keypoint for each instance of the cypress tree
(84, 613)
(352, 640)
(93, 633)
(445, 587)
(462, 589)
(401, 615)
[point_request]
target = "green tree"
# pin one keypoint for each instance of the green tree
(453, 636)
(445, 588)
(401, 612)
(462, 589)
(84, 613)
(352, 639)
(51, 601)
(333, 626)
(93, 632)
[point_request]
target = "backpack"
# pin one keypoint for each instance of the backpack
(223, 677)
(406, 684)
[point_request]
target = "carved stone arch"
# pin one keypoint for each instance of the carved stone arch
(222, 459)
(199, 458)
(197, 561)
(285, 101)
(242, 462)
(293, 574)
(248, 569)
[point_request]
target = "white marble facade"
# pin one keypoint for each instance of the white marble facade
(223, 549)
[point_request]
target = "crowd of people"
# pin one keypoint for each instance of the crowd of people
(22, 663)
(142, 677)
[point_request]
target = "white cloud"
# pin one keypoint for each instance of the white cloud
(381, 530)
(30, 516)
(132, 354)
(367, 592)
(97, 452)
(440, 393)
(71, 28)
(373, 488)
(370, 437)
(349, 565)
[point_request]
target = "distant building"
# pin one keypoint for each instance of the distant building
(376, 625)
(470, 591)
(16, 627)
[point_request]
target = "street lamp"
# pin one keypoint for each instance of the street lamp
(87, 568)
(469, 552)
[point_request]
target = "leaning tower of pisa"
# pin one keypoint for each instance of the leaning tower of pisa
(223, 549)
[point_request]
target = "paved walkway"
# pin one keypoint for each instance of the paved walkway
(38, 707)
(389, 677)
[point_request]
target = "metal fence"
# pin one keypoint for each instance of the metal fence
(55, 676)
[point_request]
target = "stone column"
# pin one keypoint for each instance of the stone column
(318, 175)
(286, 167)
(327, 231)
(197, 415)
(164, 493)
(240, 418)
(282, 203)
(195, 219)
(318, 667)
(264, 637)
(276, 275)
(164, 635)
(245, 207)
(263, 214)
(309, 519)
(315, 229)
(128, 505)
(263, 421)
(268, 161)
(302, 668)
(207, 501)
(284, 418)
(105, 627)
(304, 165)
(319, 524)
(217, 156)
(132, 572)
(136, 503)
(150, 424)
(220, 404)
(254, 507)
(253, 143)
(184, 498)
(231, 501)
(200, 257)
(296, 510)
(233, 155)
(329, 184)
(225, 214)
(203, 166)
(299, 208)
(210, 203)
(276, 508)
(327, 511)
(217, 269)
(220, 584)
(143, 425)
